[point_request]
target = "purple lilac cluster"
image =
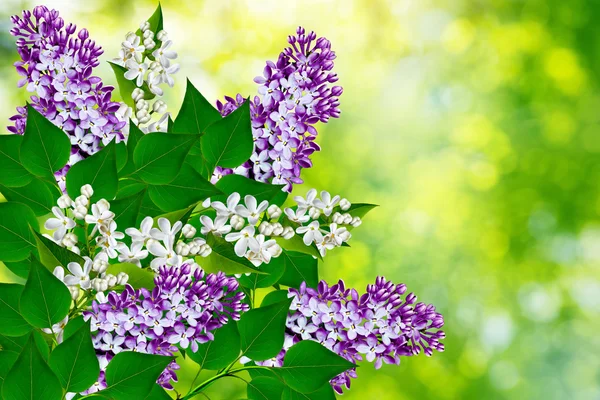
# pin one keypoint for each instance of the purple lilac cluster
(183, 310)
(56, 65)
(294, 94)
(382, 325)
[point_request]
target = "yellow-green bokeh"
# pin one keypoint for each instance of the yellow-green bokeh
(474, 125)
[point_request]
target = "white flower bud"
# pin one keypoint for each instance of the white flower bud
(159, 107)
(149, 44)
(277, 229)
(69, 240)
(345, 235)
(314, 212)
(205, 250)
(148, 34)
(141, 104)
(337, 218)
(122, 278)
(144, 26)
(288, 233)
(347, 218)
(188, 231)
(137, 94)
(194, 248)
(141, 114)
(111, 280)
(80, 212)
(145, 119)
(87, 191)
(99, 265)
(162, 35)
(266, 228)
(237, 222)
(275, 250)
(74, 292)
(82, 201)
(274, 211)
(65, 201)
(345, 204)
(356, 221)
(182, 249)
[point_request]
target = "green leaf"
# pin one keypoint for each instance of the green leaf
(99, 170)
(272, 272)
(7, 360)
(308, 366)
(221, 351)
(148, 208)
(262, 330)
(135, 134)
(132, 375)
(265, 388)
(126, 87)
(11, 321)
(129, 187)
(53, 255)
(196, 112)
(45, 299)
(157, 393)
(360, 209)
(325, 393)
(182, 215)
(138, 277)
(155, 21)
(228, 143)
(189, 187)
(16, 238)
(244, 186)
(16, 343)
(19, 268)
(121, 155)
(73, 326)
(13, 173)
(296, 244)
(30, 378)
(299, 267)
(127, 209)
(74, 361)
(158, 156)
(276, 296)
(223, 258)
(45, 148)
(39, 195)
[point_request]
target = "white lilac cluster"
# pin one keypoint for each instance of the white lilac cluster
(148, 59)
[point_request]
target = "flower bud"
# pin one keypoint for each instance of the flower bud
(69, 240)
(314, 212)
(266, 229)
(274, 211)
(356, 221)
(347, 218)
(206, 203)
(148, 34)
(237, 222)
(80, 212)
(65, 201)
(76, 250)
(182, 249)
(162, 35)
(74, 292)
(149, 44)
(288, 233)
(111, 280)
(144, 26)
(159, 107)
(275, 250)
(145, 119)
(277, 229)
(137, 94)
(87, 191)
(205, 250)
(188, 231)
(82, 201)
(194, 248)
(122, 278)
(99, 284)
(345, 204)
(337, 218)
(141, 104)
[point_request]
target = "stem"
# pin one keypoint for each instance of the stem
(213, 379)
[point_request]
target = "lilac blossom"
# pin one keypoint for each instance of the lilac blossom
(379, 326)
(56, 67)
(294, 94)
(182, 311)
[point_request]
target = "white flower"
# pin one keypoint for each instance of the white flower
(132, 46)
(345, 204)
(57, 329)
(109, 238)
(136, 71)
(298, 215)
(59, 272)
(143, 233)
(80, 276)
(188, 231)
(251, 210)
(164, 55)
(132, 255)
(160, 125)
(337, 235)
(165, 230)
(124, 55)
(65, 201)
(87, 191)
(164, 254)
(60, 224)
(326, 203)
(217, 227)
(101, 215)
(309, 201)
(262, 251)
(274, 211)
(167, 72)
(154, 80)
(242, 239)
(311, 233)
(226, 210)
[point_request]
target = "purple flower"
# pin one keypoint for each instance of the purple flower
(56, 64)
(294, 94)
(380, 326)
(182, 311)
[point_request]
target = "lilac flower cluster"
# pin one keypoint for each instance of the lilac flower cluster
(183, 310)
(382, 325)
(294, 94)
(56, 65)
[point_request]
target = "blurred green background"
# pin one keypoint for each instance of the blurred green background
(475, 126)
